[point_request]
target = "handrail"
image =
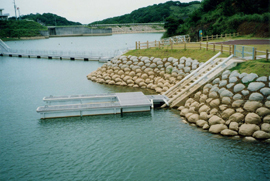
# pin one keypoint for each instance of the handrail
(223, 62)
(194, 72)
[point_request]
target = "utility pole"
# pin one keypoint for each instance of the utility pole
(15, 10)
(19, 13)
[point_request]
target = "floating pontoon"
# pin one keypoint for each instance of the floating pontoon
(98, 104)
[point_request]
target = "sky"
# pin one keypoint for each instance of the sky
(83, 11)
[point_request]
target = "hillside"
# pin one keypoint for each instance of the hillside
(224, 16)
(49, 19)
(154, 13)
(19, 29)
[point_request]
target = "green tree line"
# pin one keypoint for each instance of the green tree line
(219, 16)
(154, 13)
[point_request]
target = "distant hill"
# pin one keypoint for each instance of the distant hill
(49, 19)
(224, 16)
(154, 13)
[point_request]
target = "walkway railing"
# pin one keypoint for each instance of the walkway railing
(4, 47)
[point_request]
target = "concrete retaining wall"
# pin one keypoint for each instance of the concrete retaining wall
(77, 31)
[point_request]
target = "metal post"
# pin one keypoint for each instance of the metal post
(243, 51)
(255, 53)
(221, 48)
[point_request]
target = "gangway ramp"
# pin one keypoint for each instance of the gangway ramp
(208, 71)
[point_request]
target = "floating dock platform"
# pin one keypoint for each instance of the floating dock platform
(98, 104)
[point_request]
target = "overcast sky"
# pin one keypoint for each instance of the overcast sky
(83, 11)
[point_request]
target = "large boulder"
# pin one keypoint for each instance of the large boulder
(204, 108)
(262, 111)
(261, 135)
(256, 97)
(228, 132)
(201, 123)
(252, 118)
(215, 103)
(226, 93)
(237, 117)
(265, 91)
(215, 120)
(251, 106)
(204, 116)
(239, 87)
(254, 86)
(217, 128)
(234, 126)
(249, 78)
(193, 118)
(238, 103)
(265, 127)
(227, 113)
(248, 129)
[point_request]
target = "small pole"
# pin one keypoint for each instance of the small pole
(221, 48)
(255, 53)
(207, 46)
(266, 55)
(213, 47)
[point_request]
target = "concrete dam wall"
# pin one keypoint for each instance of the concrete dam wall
(75, 31)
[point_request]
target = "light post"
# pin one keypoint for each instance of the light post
(15, 10)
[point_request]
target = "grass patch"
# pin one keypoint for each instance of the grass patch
(241, 37)
(260, 67)
(200, 55)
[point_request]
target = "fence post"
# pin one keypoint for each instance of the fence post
(206, 37)
(189, 39)
(207, 46)
(216, 36)
(233, 49)
(233, 34)
(266, 55)
(255, 53)
(201, 38)
(147, 44)
(139, 45)
(136, 46)
(221, 48)
(213, 47)
(185, 47)
(200, 45)
(155, 43)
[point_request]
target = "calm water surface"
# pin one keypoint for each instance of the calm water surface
(153, 145)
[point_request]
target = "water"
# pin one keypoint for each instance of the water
(153, 145)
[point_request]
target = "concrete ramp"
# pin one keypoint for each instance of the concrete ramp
(199, 77)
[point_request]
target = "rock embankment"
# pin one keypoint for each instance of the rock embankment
(233, 104)
(144, 72)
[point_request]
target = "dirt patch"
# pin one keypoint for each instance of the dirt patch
(255, 28)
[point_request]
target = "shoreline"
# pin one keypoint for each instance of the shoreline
(231, 104)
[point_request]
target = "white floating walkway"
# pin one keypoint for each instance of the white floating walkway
(98, 104)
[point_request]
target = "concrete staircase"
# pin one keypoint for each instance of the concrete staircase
(208, 71)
